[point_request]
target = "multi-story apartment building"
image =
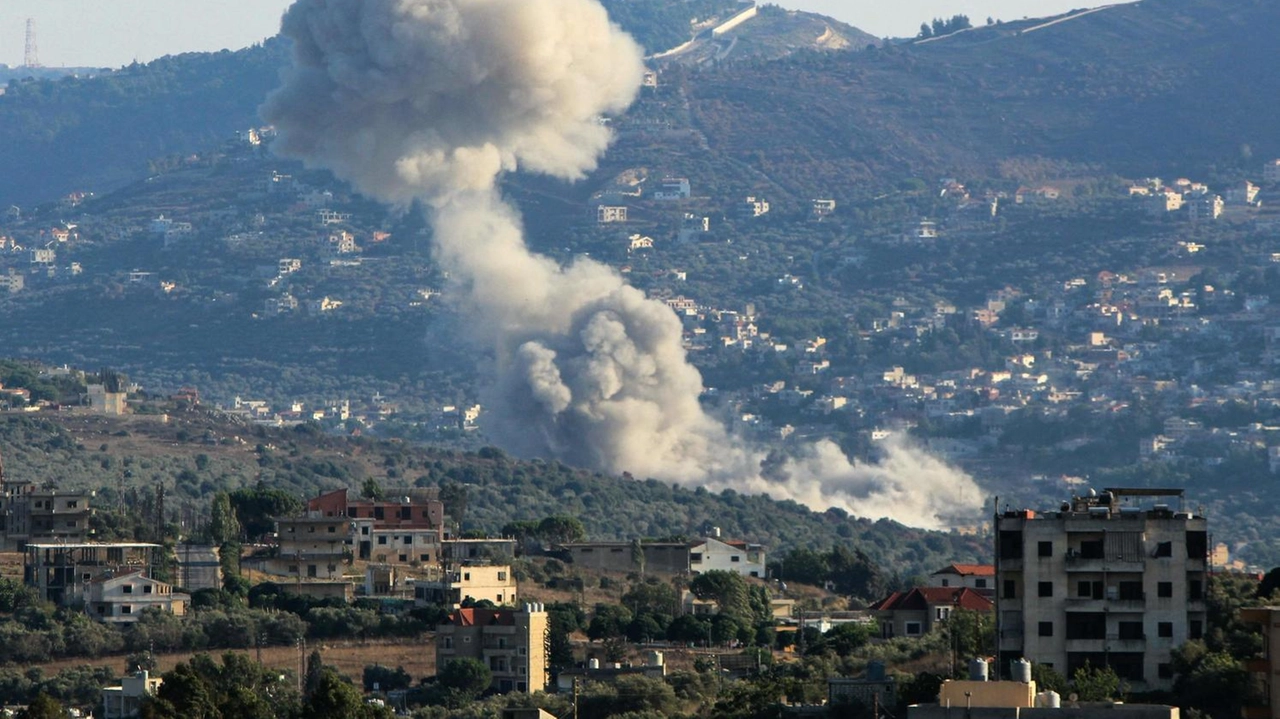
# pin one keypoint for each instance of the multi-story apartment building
(311, 546)
(495, 583)
(1267, 666)
(512, 643)
(1109, 579)
(29, 514)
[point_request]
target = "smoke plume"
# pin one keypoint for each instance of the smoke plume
(431, 101)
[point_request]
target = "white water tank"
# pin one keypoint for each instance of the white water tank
(1054, 700)
(1021, 671)
(978, 670)
(656, 659)
(593, 663)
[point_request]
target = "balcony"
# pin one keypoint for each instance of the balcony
(1116, 643)
(1087, 645)
(1076, 563)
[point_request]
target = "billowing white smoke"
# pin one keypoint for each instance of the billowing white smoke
(432, 100)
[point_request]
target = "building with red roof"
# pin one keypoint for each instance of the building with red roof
(978, 577)
(914, 612)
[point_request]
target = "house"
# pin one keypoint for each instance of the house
(674, 188)
(512, 643)
(609, 214)
(756, 206)
(1113, 579)
(821, 208)
(332, 217)
(121, 598)
(125, 701)
(112, 404)
(739, 557)
(342, 243)
(979, 577)
(1243, 193)
(1204, 207)
(1162, 201)
(915, 612)
(1271, 172)
(63, 572)
(639, 242)
(1267, 669)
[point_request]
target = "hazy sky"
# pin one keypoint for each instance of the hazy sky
(110, 33)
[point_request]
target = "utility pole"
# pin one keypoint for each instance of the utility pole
(32, 56)
(575, 698)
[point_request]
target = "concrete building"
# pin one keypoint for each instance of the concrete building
(1266, 668)
(311, 546)
(125, 701)
(29, 514)
(1019, 700)
(512, 643)
(1271, 172)
(102, 578)
(494, 583)
(102, 401)
(1109, 579)
(662, 557)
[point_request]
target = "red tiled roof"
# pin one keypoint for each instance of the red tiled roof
(922, 598)
(964, 570)
(482, 617)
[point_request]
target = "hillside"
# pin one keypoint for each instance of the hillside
(196, 453)
(1141, 88)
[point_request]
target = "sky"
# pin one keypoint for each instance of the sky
(112, 33)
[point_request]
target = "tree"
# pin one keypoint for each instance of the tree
(43, 707)
(371, 489)
(610, 620)
(223, 525)
(315, 672)
(470, 677)
(561, 529)
(1095, 684)
(335, 699)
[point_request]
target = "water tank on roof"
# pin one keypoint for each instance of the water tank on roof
(656, 659)
(1021, 671)
(593, 663)
(978, 669)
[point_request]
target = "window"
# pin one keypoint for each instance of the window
(1164, 549)
(71, 504)
(448, 642)
(406, 512)
(1086, 625)
(312, 529)
(1164, 589)
(1131, 630)
(695, 557)
(424, 557)
(378, 513)
(146, 589)
(1195, 590)
(404, 557)
(1087, 589)
(1130, 591)
(913, 629)
(1091, 549)
(1010, 544)
(333, 530)
(502, 576)
(408, 539)
(1046, 629)
(942, 613)
(382, 539)
(1045, 589)
(1010, 590)
(126, 609)
(364, 531)
(1045, 549)
(946, 582)
(1195, 629)
(734, 558)
(1165, 629)
(127, 589)
(980, 583)
(466, 577)
(501, 643)
(333, 568)
(293, 569)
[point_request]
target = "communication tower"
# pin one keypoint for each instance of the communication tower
(32, 56)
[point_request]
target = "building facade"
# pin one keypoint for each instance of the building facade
(495, 583)
(512, 643)
(1267, 668)
(1107, 580)
(121, 599)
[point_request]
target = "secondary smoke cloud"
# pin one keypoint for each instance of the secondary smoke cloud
(431, 101)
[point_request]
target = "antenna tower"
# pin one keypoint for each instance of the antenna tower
(32, 56)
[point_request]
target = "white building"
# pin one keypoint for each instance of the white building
(125, 701)
(1271, 172)
(674, 188)
(608, 214)
(123, 597)
(739, 557)
(979, 577)
(1104, 580)
(495, 583)
(756, 206)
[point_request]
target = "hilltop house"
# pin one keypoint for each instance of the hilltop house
(915, 612)
(122, 598)
(978, 577)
